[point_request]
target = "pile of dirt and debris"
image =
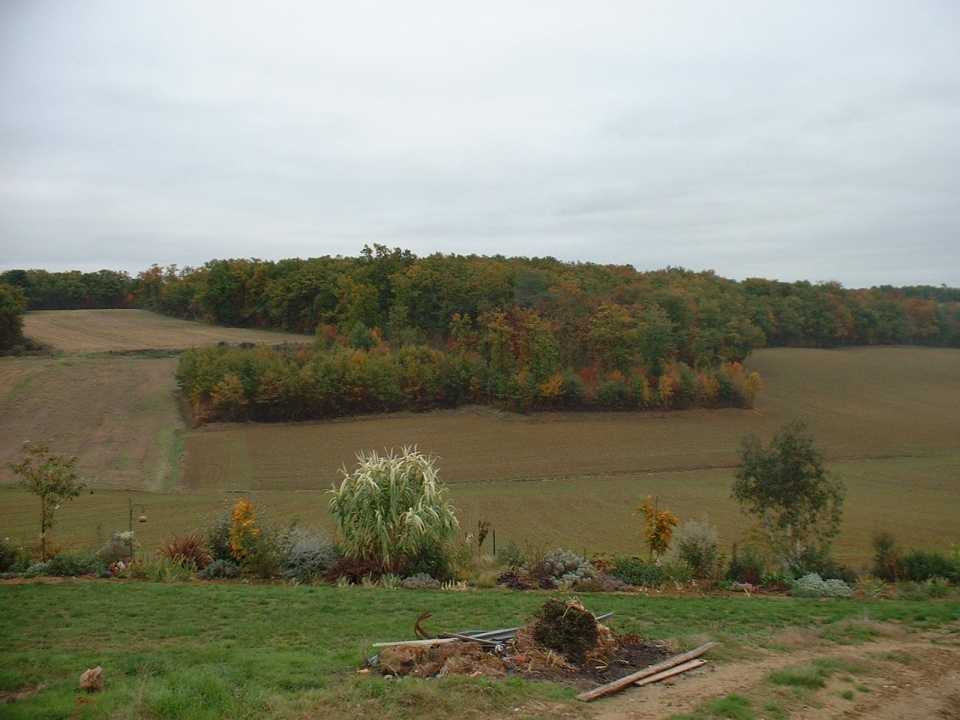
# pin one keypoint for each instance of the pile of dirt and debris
(563, 643)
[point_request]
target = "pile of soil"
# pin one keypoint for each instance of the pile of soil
(605, 658)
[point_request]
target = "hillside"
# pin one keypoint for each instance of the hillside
(885, 417)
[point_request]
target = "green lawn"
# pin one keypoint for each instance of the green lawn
(237, 651)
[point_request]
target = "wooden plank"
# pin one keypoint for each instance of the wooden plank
(470, 638)
(647, 672)
(435, 641)
(689, 665)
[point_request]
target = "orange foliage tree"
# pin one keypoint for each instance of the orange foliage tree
(659, 526)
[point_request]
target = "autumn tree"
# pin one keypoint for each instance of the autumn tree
(785, 486)
(13, 303)
(659, 525)
(52, 478)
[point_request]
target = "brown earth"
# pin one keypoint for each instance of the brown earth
(119, 415)
(899, 676)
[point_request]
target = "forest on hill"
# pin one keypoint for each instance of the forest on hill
(395, 331)
(399, 294)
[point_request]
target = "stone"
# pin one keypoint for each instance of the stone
(92, 680)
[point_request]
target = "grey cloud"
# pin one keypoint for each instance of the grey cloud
(816, 142)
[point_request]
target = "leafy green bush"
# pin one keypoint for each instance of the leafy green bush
(817, 559)
(937, 587)
(921, 565)
(160, 570)
(887, 563)
(434, 560)
(907, 590)
(8, 557)
(217, 536)
(635, 571)
(512, 555)
(695, 543)
(307, 554)
(66, 565)
(812, 585)
(220, 569)
(746, 566)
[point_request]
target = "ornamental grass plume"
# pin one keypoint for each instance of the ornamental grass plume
(392, 510)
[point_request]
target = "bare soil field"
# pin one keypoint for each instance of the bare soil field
(120, 415)
(79, 332)
(888, 420)
(860, 403)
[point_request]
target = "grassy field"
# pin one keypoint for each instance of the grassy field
(239, 651)
(118, 414)
(888, 420)
(80, 332)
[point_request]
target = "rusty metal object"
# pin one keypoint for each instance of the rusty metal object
(418, 629)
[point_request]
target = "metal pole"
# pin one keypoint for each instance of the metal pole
(130, 507)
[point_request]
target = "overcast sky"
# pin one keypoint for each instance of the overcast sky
(787, 140)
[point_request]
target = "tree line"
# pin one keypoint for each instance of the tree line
(304, 382)
(691, 315)
(583, 313)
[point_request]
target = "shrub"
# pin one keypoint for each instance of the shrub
(614, 395)
(907, 590)
(8, 557)
(307, 554)
(220, 569)
(512, 581)
(217, 536)
(119, 547)
(512, 555)
(188, 550)
(420, 581)
(937, 587)
(695, 543)
(602, 583)
(746, 566)
(870, 586)
(638, 572)
(161, 570)
(817, 559)
(390, 581)
(65, 565)
(264, 558)
(921, 565)
(558, 567)
(887, 563)
(812, 585)
(351, 571)
(433, 560)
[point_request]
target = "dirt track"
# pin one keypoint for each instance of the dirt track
(899, 676)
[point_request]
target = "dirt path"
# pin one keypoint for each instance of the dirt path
(898, 676)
